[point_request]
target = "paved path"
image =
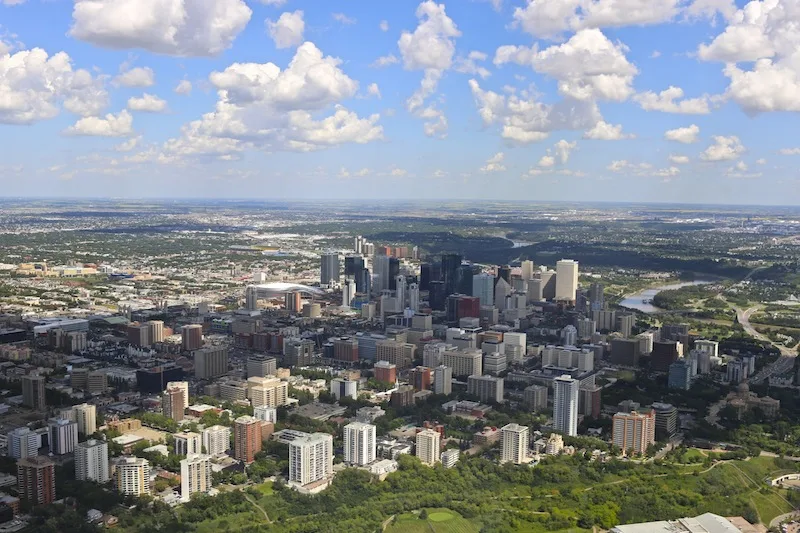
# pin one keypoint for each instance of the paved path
(778, 519)
(255, 503)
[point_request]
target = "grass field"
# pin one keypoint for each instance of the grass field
(266, 489)
(438, 521)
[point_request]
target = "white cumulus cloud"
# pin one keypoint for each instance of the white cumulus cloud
(374, 90)
(603, 131)
(495, 163)
(685, 135)
(678, 159)
(288, 30)
(184, 87)
(669, 101)
(172, 27)
(136, 77)
(147, 103)
(119, 125)
(723, 149)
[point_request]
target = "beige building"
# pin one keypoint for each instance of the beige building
(86, 417)
(195, 475)
(398, 353)
(464, 362)
(633, 432)
(132, 476)
(428, 446)
(270, 392)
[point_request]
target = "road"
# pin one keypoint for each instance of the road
(783, 364)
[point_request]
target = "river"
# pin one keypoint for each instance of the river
(636, 301)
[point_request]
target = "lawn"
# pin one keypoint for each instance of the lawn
(266, 489)
(769, 506)
(438, 521)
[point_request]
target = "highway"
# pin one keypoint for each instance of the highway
(783, 364)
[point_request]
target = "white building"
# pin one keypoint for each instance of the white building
(565, 405)
(428, 446)
(217, 439)
(359, 443)
(133, 476)
(464, 362)
(569, 335)
(514, 443)
(527, 270)
(195, 475)
(63, 436)
(450, 457)
(91, 461)
(344, 388)
(86, 418)
(311, 458)
(22, 443)
(566, 280)
(443, 380)
(265, 413)
(269, 391)
(348, 292)
(187, 443)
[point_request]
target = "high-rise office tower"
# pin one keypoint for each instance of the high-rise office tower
(483, 288)
(503, 272)
(436, 296)
(311, 458)
(569, 335)
(363, 281)
(548, 283)
(192, 337)
(91, 461)
(566, 280)
(565, 405)
(380, 269)
(352, 264)
(466, 273)
(400, 290)
(36, 480)
(394, 273)
(247, 438)
(211, 362)
(63, 436)
(86, 417)
(359, 443)
(33, 392)
(413, 297)
(443, 380)
(195, 475)
(172, 404)
(425, 276)
(329, 268)
(597, 298)
(133, 476)
(359, 244)
(428, 446)
(514, 443)
(527, 270)
(251, 298)
(293, 301)
(348, 292)
(216, 440)
(451, 264)
(634, 431)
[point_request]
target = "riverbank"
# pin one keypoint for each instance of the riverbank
(640, 301)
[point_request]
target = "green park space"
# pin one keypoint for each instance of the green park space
(433, 521)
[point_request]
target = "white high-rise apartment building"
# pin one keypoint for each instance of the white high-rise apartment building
(265, 413)
(348, 292)
(359, 443)
(195, 475)
(22, 443)
(86, 417)
(133, 476)
(311, 458)
(565, 405)
(184, 387)
(483, 288)
(566, 279)
(216, 439)
(443, 380)
(63, 436)
(91, 461)
(514, 443)
(428, 446)
(187, 443)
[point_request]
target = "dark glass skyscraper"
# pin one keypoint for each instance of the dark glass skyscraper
(425, 276)
(465, 275)
(505, 273)
(352, 264)
(394, 271)
(451, 264)
(437, 297)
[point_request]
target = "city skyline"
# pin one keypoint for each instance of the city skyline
(498, 103)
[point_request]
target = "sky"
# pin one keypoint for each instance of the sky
(572, 100)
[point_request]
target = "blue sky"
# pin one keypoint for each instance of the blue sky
(495, 99)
